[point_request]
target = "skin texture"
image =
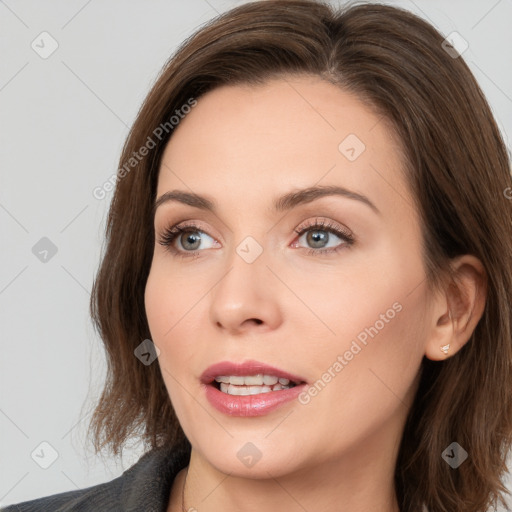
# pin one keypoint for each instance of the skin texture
(242, 147)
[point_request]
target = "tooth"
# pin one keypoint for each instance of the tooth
(222, 378)
(238, 390)
(250, 390)
(237, 380)
(234, 390)
(269, 380)
(254, 380)
(284, 381)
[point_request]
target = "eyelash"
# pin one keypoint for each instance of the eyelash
(170, 234)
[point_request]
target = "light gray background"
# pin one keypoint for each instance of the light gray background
(63, 122)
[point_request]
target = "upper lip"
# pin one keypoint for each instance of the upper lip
(246, 368)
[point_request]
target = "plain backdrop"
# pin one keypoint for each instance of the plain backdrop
(63, 122)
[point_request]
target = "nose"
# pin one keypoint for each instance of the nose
(246, 298)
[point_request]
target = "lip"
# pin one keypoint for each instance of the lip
(248, 405)
(245, 368)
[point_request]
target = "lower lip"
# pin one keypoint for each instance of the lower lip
(251, 405)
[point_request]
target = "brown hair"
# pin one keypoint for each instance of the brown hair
(457, 167)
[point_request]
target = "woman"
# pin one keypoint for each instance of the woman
(305, 292)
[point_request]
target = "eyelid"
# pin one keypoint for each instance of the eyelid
(170, 234)
(325, 224)
(190, 225)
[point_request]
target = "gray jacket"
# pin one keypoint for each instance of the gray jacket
(145, 487)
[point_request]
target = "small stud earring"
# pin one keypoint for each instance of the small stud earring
(445, 348)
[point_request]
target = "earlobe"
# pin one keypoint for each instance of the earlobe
(457, 309)
(445, 349)
(440, 341)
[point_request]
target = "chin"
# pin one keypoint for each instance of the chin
(248, 456)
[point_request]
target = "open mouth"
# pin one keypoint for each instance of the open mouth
(249, 388)
(240, 385)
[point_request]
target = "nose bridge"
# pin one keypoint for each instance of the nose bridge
(246, 290)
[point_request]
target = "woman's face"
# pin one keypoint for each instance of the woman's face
(341, 308)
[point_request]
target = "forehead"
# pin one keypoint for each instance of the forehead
(294, 131)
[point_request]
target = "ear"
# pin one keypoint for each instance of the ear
(457, 309)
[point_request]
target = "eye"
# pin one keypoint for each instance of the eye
(324, 237)
(189, 239)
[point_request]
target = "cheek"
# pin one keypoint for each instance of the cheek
(172, 308)
(163, 312)
(366, 373)
(176, 316)
(169, 301)
(155, 304)
(377, 323)
(362, 301)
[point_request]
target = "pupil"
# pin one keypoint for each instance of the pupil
(317, 238)
(190, 238)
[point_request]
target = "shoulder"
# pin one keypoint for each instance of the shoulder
(98, 497)
(144, 486)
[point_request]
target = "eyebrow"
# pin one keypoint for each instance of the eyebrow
(281, 204)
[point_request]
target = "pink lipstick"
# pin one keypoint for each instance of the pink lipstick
(251, 388)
